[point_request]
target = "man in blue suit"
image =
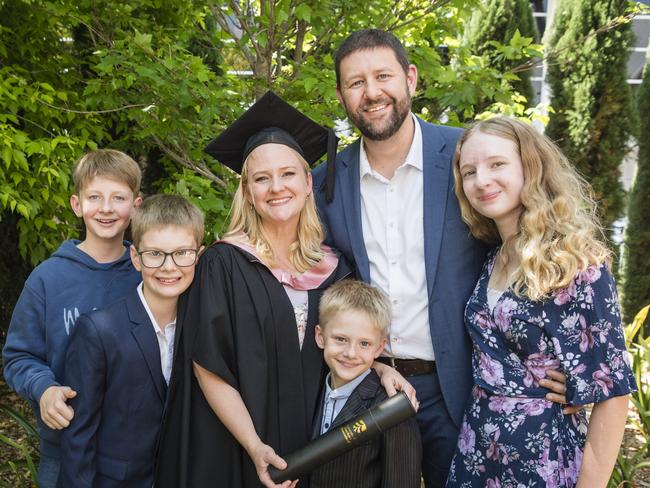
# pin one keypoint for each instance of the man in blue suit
(394, 213)
(390, 207)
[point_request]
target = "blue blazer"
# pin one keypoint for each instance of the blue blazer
(453, 259)
(113, 363)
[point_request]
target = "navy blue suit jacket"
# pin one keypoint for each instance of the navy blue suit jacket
(453, 259)
(113, 363)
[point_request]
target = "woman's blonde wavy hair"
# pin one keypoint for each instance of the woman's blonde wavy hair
(559, 233)
(304, 253)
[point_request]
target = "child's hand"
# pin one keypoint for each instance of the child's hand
(393, 382)
(55, 412)
(263, 455)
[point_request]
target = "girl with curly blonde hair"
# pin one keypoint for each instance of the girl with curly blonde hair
(545, 300)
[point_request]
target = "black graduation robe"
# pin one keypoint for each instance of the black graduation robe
(236, 321)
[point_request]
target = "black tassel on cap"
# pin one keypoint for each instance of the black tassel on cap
(330, 180)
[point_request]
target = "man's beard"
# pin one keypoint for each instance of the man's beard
(399, 112)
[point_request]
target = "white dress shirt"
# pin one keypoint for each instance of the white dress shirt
(165, 338)
(393, 232)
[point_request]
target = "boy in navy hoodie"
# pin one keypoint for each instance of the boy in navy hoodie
(120, 357)
(79, 277)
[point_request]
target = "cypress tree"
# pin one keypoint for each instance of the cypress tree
(636, 273)
(498, 20)
(587, 75)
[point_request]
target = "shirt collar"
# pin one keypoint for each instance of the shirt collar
(344, 391)
(413, 157)
(156, 327)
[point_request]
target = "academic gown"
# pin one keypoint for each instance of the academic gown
(236, 321)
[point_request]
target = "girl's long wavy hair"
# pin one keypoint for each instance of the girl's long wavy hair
(303, 253)
(559, 233)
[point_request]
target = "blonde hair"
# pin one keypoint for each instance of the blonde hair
(108, 163)
(357, 296)
(166, 210)
(304, 253)
(558, 234)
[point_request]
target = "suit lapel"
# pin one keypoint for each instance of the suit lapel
(350, 192)
(359, 400)
(436, 155)
(144, 335)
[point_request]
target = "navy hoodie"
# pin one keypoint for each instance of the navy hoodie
(57, 291)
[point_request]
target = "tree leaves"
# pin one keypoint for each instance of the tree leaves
(160, 79)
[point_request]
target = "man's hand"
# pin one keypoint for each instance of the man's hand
(263, 456)
(556, 382)
(55, 412)
(393, 382)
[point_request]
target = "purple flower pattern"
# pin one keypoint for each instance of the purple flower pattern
(511, 436)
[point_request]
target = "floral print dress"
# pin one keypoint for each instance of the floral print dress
(511, 436)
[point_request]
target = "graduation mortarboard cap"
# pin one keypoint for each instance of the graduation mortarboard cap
(272, 120)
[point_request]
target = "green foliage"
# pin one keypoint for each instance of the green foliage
(291, 49)
(25, 448)
(627, 467)
(505, 21)
(215, 204)
(636, 274)
(640, 353)
(587, 75)
(630, 461)
(109, 74)
(158, 79)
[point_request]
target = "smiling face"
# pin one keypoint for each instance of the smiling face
(493, 179)
(351, 342)
(376, 92)
(277, 185)
(168, 281)
(106, 207)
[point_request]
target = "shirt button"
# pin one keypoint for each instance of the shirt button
(394, 302)
(393, 263)
(327, 426)
(395, 339)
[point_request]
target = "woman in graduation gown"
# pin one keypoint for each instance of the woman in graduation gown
(247, 371)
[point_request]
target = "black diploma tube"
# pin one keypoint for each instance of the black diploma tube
(340, 440)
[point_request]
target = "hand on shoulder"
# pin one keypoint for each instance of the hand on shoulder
(393, 382)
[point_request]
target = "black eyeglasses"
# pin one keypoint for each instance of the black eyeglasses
(155, 259)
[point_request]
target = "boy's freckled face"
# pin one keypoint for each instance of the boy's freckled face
(169, 280)
(351, 342)
(106, 207)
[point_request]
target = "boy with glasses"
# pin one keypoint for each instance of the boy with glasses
(119, 359)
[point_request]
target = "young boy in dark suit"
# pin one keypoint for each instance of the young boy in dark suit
(354, 321)
(119, 359)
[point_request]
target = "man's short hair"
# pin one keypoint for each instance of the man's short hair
(163, 210)
(108, 163)
(356, 296)
(369, 39)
